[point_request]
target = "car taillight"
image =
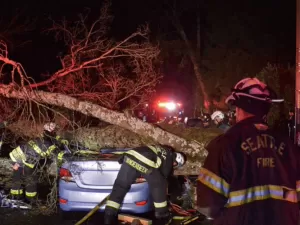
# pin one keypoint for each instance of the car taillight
(63, 201)
(65, 175)
(141, 203)
(140, 180)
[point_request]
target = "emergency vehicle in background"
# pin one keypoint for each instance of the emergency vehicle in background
(170, 111)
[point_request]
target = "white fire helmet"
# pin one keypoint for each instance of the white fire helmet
(50, 127)
(180, 159)
(217, 114)
(185, 120)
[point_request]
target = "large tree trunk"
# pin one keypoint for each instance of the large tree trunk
(195, 150)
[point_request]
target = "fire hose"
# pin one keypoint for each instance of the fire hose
(187, 216)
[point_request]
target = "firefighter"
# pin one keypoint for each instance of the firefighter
(206, 120)
(251, 174)
(231, 117)
(25, 159)
(155, 164)
(219, 119)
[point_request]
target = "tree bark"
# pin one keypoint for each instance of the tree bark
(193, 149)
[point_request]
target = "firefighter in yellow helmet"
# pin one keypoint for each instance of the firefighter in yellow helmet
(251, 174)
(25, 159)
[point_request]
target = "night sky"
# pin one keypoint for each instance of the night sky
(272, 23)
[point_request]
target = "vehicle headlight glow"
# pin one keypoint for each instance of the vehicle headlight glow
(170, 106)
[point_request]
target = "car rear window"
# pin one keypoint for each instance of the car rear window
(96, 157)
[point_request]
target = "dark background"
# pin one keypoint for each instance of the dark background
(265, 29)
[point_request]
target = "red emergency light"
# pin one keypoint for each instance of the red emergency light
(169, 105)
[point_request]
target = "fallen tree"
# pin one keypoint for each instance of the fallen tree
(195, 150)
(98, 77)
(108, 136)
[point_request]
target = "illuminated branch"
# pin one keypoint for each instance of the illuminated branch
(94, 66)
(100, 69)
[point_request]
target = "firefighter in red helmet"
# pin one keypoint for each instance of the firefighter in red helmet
(251, 174)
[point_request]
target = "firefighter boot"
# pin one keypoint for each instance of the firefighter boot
(164, 218)
(110, 218)
(31, 201)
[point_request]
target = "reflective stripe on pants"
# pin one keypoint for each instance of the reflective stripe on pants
(126, 176)
(158, 189)
(113, 204)
(160, 204)
(30, 194)
(30, 182)
(16, 192)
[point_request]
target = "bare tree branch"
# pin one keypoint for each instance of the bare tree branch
(95, 67)
(11, 30)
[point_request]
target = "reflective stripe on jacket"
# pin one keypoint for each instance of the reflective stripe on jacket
(139, 153)
(250, 176)
(152, 156)
(145, 160)
(60, 140)
(43, 151)
(245, 196)
(33, 151)
(18, 156)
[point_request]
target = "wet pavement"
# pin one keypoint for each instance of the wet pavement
(26, 217)
(23, 217)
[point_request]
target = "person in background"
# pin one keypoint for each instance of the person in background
(231, 117)
(251, 174)
(25, 159)
(219, 119)
(206, 120)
